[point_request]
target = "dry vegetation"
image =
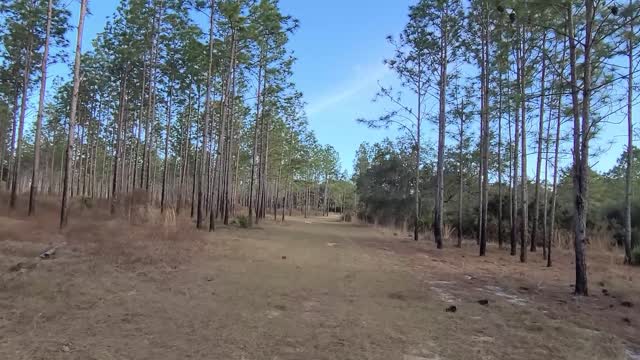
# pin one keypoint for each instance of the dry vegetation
(307, 289)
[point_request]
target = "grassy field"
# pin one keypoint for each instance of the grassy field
(306, 289)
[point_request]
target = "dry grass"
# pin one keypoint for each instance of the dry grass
(147, 237)
(306, 289)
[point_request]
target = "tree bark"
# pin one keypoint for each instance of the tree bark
(416, 218)
(64, 210)
(524, 218)
(514, 189)
(536, 196)
(166, 151)
(205, 123)
(484, 218)
(115, 188)
(15, 175)
(255, 146)
(460, 172)
(43, 89)
(628, 175)
(579, 148)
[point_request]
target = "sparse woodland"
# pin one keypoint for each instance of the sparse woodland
(519, 95)
(188, 106)
(163, 112)
(164, 196)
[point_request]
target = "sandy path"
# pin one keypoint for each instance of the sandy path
(314, 289)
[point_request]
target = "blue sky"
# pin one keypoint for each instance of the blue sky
(340, 47)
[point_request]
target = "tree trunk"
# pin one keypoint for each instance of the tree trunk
(579, 148)
(64, 210)
(536, 197)
(438, 223)
(523, 151)
(460, 173)
(627, 183)
(43, 89)
(185, 155)
(205, 121)
(14, 127)
(166, 152)
(255, 146)
(325, 208)
(500, 210)
(118, 146)
(416, 218)
(554, 191)
(140, 119)
(23, 109)
(545, 197)
(485, 142)
(514, 189)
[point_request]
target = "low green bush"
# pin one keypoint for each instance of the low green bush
(243, 221)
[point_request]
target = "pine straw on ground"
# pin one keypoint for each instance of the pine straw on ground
(306, 289)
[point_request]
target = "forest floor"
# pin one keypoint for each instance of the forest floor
(306, 289)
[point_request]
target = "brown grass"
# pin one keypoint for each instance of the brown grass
(311, 288)
(147, 237)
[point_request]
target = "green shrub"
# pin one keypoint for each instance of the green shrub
(243, 221)
(635, 255)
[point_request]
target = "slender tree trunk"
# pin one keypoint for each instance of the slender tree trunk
(228, 198)
(460, 173)
(416, 218)
(545, 197)
(255, 146)
(140, 120)
(14, 127)
(220, 156)
(43, 89)
(81, 151)
(275, 202)
(579, 147)
(51, 171)
(500, 209)
(64, 210)
(514, 189)
(3, 145)
(554, 192)
(185, 155)
(166, 151)
(536, 197)
(23, 108)
(194, 181)
(628, 175)
(485, 143)
(523, 152)
(325, 205)
(118, 146)
(235, 195)
(207, 106)
(438, 223)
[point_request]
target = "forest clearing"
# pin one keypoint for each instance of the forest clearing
(314, 288)
(202, 179)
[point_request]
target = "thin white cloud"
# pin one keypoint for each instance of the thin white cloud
(363, 78)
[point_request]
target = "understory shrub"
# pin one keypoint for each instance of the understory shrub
(243, 221)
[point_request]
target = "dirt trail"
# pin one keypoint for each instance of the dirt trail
(306, 289)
